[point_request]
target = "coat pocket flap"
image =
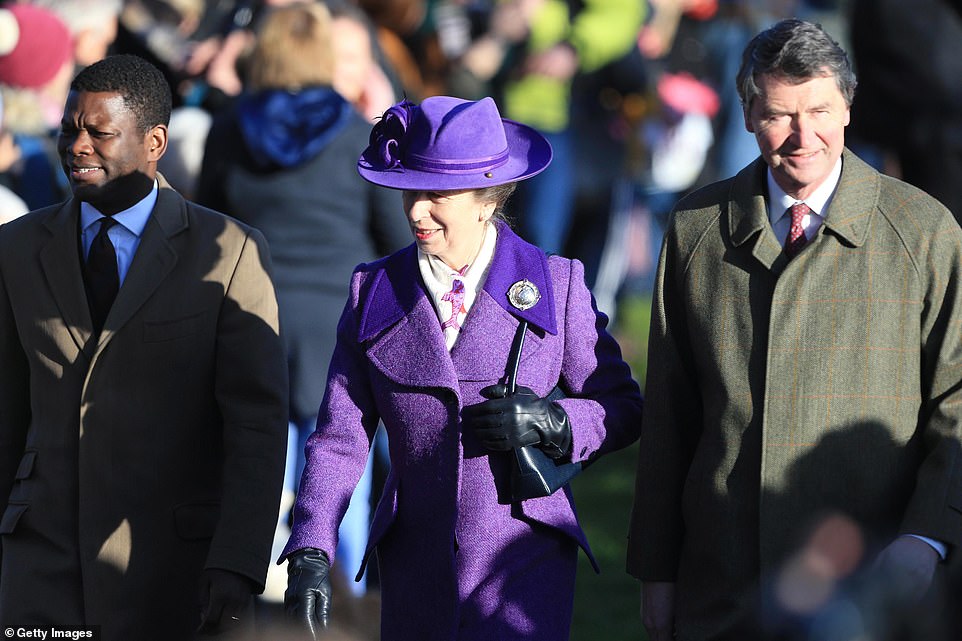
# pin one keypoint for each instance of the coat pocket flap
(11, 516)
(26, 465)
(168, 330)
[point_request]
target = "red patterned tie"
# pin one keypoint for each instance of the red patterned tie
(796, 234)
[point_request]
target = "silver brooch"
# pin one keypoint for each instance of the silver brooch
(524, 295)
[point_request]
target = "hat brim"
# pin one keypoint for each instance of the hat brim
(529, 153)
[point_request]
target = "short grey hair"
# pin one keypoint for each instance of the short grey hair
(797, 51)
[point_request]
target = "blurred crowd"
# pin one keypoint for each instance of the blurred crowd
(634, 95)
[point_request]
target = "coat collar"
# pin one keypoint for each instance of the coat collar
(515, 260)
(397, 286)
(848, 216)
(60, 261)
(856, 199)
(400, 326)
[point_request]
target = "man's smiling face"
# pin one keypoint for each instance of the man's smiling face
(110, 161)
(800, 129)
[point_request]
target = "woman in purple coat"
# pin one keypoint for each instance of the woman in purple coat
(456, 343)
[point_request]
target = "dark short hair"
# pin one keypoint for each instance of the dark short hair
(798, 51)
(144, 88)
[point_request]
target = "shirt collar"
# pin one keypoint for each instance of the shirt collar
(474, 274)
(818, 202)
(134, 218)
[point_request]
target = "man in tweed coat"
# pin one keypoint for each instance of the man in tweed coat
(803, 410)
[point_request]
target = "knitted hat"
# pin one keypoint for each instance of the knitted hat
(34, 46)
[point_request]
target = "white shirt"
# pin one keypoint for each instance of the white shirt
(125, 236)
(438, 278)
(818, 202)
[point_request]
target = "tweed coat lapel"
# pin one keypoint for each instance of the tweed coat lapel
(749, 225)
(855, 201)
(403, 333)
(848, 217)
(481, 352)
(60, 261)
(400, 327)
(154, 259)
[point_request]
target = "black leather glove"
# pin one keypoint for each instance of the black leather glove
(505, 422)
(227, 597)
(308, 596)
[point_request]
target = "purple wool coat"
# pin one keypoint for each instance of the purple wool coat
(454, 562)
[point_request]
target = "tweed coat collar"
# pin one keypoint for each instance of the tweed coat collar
(401, 327)
(155, 258)
(848, 217)
(398, 289)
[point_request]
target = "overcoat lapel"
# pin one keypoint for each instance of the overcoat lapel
(154, 260)
(60, 261)
(749, 226)
(848, 217)
(401, 330)
(481, 352)
(513, 261)
(856, 198)
(406, 341)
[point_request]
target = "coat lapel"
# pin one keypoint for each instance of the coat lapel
(515, 260)
(60, 261)
(481, 353)
(154, 260)
(400, 329)
(749, 225)
(848, 217)
(855, 200)
(405, 338)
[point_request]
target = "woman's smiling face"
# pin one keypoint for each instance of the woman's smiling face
(448, 224)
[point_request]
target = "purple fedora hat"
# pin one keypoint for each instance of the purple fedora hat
(449, 143)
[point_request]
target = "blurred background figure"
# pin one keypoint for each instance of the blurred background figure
(908, 107)
(666, 157)
(282, 158)
(358, 76)
(11, 205)
(549, 45)
(187, 137)
(36, 65)
(92, 25)
(168, 33)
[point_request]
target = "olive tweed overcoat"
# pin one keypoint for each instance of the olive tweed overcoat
(781, 391)
(456, 560)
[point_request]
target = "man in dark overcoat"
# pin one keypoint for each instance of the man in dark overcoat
(142, 430)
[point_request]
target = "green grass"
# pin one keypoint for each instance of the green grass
(607, 605)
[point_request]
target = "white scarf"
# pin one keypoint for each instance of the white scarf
(439, 280)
